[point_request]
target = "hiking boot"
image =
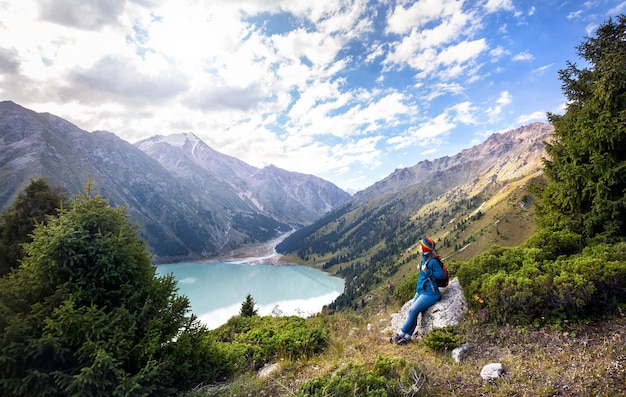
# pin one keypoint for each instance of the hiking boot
(403, 340)
(399, 339)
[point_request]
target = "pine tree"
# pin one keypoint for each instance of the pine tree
(85, 315)
(32, 206)
(247, 307)
(586, 169)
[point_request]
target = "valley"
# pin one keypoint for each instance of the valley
(257, 253)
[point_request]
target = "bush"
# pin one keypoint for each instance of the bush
(248, 343)
(388, 377)
(446, 338)
(555, 244)
(548, 279)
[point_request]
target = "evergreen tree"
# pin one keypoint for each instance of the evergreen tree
(31, 207)
(247, 307)
(586, 171)
(85, 315)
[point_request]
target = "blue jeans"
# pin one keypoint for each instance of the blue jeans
(420, 303)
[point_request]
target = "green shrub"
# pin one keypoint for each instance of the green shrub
(446, 338)
(548, 279)
(248, 343)
(592, 283)
(555, 244)
(388, 377)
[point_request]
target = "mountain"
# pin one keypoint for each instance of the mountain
(289, 197)
(179, 216)
(466, 202)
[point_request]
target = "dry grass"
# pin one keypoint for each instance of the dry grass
(587, 360)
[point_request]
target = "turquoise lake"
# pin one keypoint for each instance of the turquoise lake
(216, 289)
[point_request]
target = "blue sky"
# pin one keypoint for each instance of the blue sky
(347, 90)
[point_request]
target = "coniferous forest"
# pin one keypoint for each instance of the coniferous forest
(83, 314)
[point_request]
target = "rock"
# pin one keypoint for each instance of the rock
(460, 352)
(448, 311)
(370, 327)
(491, 372)
(268, 369)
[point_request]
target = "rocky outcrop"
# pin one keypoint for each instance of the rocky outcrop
(448, 311)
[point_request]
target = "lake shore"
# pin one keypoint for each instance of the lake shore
(264, 253)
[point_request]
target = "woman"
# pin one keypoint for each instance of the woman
(427, 291)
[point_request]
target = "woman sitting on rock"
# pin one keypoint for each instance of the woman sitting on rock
(427, 291)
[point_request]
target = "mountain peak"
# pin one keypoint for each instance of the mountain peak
(176, 140)
(179, 139)
(270, 190)
(188, 199)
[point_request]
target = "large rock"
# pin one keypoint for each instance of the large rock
(448, 311)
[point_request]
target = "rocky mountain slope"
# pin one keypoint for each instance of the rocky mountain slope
(179, 215)
(289, 197)
(466, 202)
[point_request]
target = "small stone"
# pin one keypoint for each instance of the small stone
(268, 369)
(460, 352)
(491, 372)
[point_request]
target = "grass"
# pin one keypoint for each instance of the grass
(507, 220)
(583, 360)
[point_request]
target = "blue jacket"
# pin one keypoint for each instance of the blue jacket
(426, 284)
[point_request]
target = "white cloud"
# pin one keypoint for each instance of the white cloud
(451, 62)
(330, 87)
(434, 39)
(81, 14)
(420, 13)
(524, 56)
(498, 53)
(127, 80)
(543, 68)
(529, 118)
(324, 110)
(439, 89)
(497, 5)
(426, 134)
(618, 9)
(318, 48)
(503, 100)
(575, 15)
(464, 113)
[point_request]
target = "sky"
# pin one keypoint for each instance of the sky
(347, 90)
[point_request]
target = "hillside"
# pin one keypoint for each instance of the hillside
(467, 202)
(585, 360)
(184, 209)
